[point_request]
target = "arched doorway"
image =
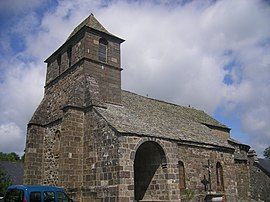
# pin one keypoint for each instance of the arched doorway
(149, 176)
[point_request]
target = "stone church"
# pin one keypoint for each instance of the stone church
(102, 143)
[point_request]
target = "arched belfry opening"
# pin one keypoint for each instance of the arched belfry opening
(149, 171)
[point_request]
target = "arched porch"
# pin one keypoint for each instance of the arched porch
(150, 173)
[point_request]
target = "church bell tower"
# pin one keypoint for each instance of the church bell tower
(83, 73)
(97, 51)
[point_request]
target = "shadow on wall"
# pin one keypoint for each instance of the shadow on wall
(148, 174)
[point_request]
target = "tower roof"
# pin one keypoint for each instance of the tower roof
(91, 22)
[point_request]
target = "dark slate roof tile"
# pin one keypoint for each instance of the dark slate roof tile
(91, 22)
(146, 116)
(265, 164)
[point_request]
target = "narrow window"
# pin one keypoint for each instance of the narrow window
(59, 63)
(182, 180)
(69, 53)
(102, 51)
(219, 172)
(56, 146)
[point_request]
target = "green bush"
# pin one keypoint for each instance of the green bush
(5, 182)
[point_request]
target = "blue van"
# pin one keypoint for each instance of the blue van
(28, 193)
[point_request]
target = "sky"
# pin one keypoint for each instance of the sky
(211, 55)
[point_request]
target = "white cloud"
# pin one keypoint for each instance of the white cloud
(20, 92)
(176, 53)
(16, 6)
(11, 138)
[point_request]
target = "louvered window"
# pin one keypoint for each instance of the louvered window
(69, 54)
(59, 63)
(102, 52)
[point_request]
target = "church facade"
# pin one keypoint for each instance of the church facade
(102, 143)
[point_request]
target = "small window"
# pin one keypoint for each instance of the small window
(69, 54)
(219, 172)
(35, 197)
(49, 196)
(102, 51)
(62, 197)
(59, 63)
(182, 180)
(56, 145)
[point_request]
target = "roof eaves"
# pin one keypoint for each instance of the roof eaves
(220, 126)
(246, 147)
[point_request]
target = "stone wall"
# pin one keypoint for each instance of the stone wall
(92, 46)
(161, 184)
(107, 75)
(196, 159)
(108, 80)
(101, 170)
(195, 162)
(33, 167)
(242, 172)
(54, 69)
(85, 50)
(243, 180)
(51, 153)
(71, 149)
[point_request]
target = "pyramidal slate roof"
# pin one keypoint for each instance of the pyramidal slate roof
(91, 22)
(145, 116)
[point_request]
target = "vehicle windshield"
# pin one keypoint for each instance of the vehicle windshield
(14, 195)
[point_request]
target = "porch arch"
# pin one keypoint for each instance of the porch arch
(149, 174)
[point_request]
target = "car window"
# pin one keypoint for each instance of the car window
(62, 197)
(35, 197)
(49, 196)
(14, 195)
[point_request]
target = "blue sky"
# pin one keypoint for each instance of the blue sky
(212, 55)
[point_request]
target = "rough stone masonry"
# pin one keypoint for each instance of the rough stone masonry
(102, 143)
